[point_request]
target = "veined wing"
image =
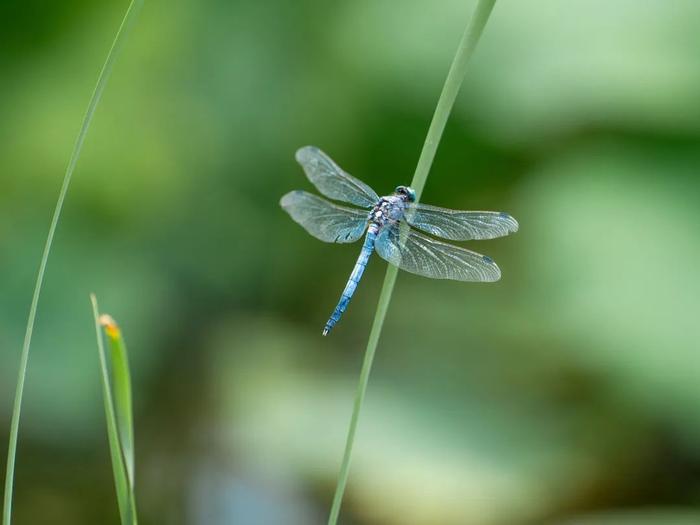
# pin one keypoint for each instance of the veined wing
(457, 225)
(325, 220)
(419, 254)
(332, 181)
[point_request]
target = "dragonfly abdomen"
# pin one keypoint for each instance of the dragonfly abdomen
(354, 279)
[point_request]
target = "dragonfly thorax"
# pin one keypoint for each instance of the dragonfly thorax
(388, 210)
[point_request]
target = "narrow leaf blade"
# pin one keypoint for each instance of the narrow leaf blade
(119, 418)
(121, 390)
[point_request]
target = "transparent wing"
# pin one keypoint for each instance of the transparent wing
(325, 220)
(332, 181)
(457, 225)
(422, 255)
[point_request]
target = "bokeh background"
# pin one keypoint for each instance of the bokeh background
(565, 394)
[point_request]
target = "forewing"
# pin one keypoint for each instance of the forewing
(419, 254)
(457, 225)
(325, 220)
(332, 181)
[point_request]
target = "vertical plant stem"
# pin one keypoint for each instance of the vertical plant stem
(117, 43)
(444, 106)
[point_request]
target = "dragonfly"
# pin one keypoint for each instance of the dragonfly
(393, 225)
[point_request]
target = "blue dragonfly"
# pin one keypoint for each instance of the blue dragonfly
(391, 223)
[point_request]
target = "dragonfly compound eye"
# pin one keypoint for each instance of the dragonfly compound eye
(411, 194)
(407, 192)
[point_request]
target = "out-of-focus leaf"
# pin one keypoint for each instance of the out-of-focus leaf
(650, 516)
(610, 263)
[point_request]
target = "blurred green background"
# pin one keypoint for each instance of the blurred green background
(565, 394)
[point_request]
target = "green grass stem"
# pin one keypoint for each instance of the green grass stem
(117, 43)
(116, 391)
(447, 98)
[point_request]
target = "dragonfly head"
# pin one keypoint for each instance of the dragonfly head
(406, 193)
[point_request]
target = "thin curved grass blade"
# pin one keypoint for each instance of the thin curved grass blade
(117, 44)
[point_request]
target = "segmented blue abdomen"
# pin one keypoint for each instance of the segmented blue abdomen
(354, 279)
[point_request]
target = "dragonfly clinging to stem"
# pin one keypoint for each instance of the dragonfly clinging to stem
(391, 223)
